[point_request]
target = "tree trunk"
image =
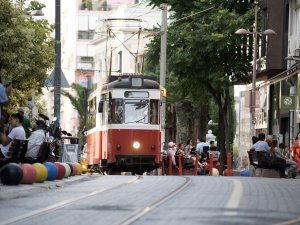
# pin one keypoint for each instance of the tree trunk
(221, 138)
(191, 121)
(227, 123)
(183, 121)
(203, 120)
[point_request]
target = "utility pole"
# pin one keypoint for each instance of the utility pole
(163, 56)
(253, 94)
(57, 74)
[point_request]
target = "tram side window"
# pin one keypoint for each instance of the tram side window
(91, 123)
(109, 111)
(106, 112)
(117, 112)
(154, 112)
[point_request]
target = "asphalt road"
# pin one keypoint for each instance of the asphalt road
(153, 200)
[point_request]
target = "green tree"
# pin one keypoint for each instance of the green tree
(79, 102)
(204, 53)
(87, 4)
(27, 51)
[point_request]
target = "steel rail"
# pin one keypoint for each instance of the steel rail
(141, 212)
(63, 203)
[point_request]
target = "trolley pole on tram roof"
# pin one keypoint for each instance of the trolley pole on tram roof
(163, 53)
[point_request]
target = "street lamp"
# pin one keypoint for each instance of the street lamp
(255, 35)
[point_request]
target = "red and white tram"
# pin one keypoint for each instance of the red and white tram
(124, 132)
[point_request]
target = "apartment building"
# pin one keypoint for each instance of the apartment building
(271, 118)
(83, 25)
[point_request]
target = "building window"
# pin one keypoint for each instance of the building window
(86, 35)
(87, 59)
(298, 21)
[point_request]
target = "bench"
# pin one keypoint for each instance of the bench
(187, 168)
(257, 169)
(17, 152)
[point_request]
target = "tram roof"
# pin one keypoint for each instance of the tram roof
(126, 82)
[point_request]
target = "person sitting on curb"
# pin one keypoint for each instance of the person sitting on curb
(17, 132)
(35, 141)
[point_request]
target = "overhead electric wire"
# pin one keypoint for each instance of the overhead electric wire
(194, 14)
(150, 11)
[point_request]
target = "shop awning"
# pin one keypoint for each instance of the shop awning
(281, 76)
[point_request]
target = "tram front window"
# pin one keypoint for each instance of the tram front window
(137, 111)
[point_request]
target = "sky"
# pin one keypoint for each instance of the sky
(49, 11)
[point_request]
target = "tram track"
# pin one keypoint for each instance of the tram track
(64, 203)
(124, 200)
(130, 217)
(141, 212)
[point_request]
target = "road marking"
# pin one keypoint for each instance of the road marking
(235, 198)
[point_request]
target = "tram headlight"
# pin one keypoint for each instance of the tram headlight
(118, 146)
(136, 145)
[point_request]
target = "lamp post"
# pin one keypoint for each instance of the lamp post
(57, 74)
(255, 34)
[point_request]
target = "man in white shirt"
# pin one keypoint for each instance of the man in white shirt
(35, 140)
(17, 132)
(261, 144)
(200, 144)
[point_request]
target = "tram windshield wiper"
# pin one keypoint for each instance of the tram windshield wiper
(141, 104)
(141, 119)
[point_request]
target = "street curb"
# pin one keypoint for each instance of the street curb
(11, 191)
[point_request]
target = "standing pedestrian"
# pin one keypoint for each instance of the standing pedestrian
(3, 102)
(171, 152)
(295, 150)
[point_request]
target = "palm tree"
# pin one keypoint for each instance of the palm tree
(79, 102)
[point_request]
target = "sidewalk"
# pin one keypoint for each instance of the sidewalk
(9, 191)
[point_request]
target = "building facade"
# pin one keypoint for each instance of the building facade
(83, 59)
(271, 118)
